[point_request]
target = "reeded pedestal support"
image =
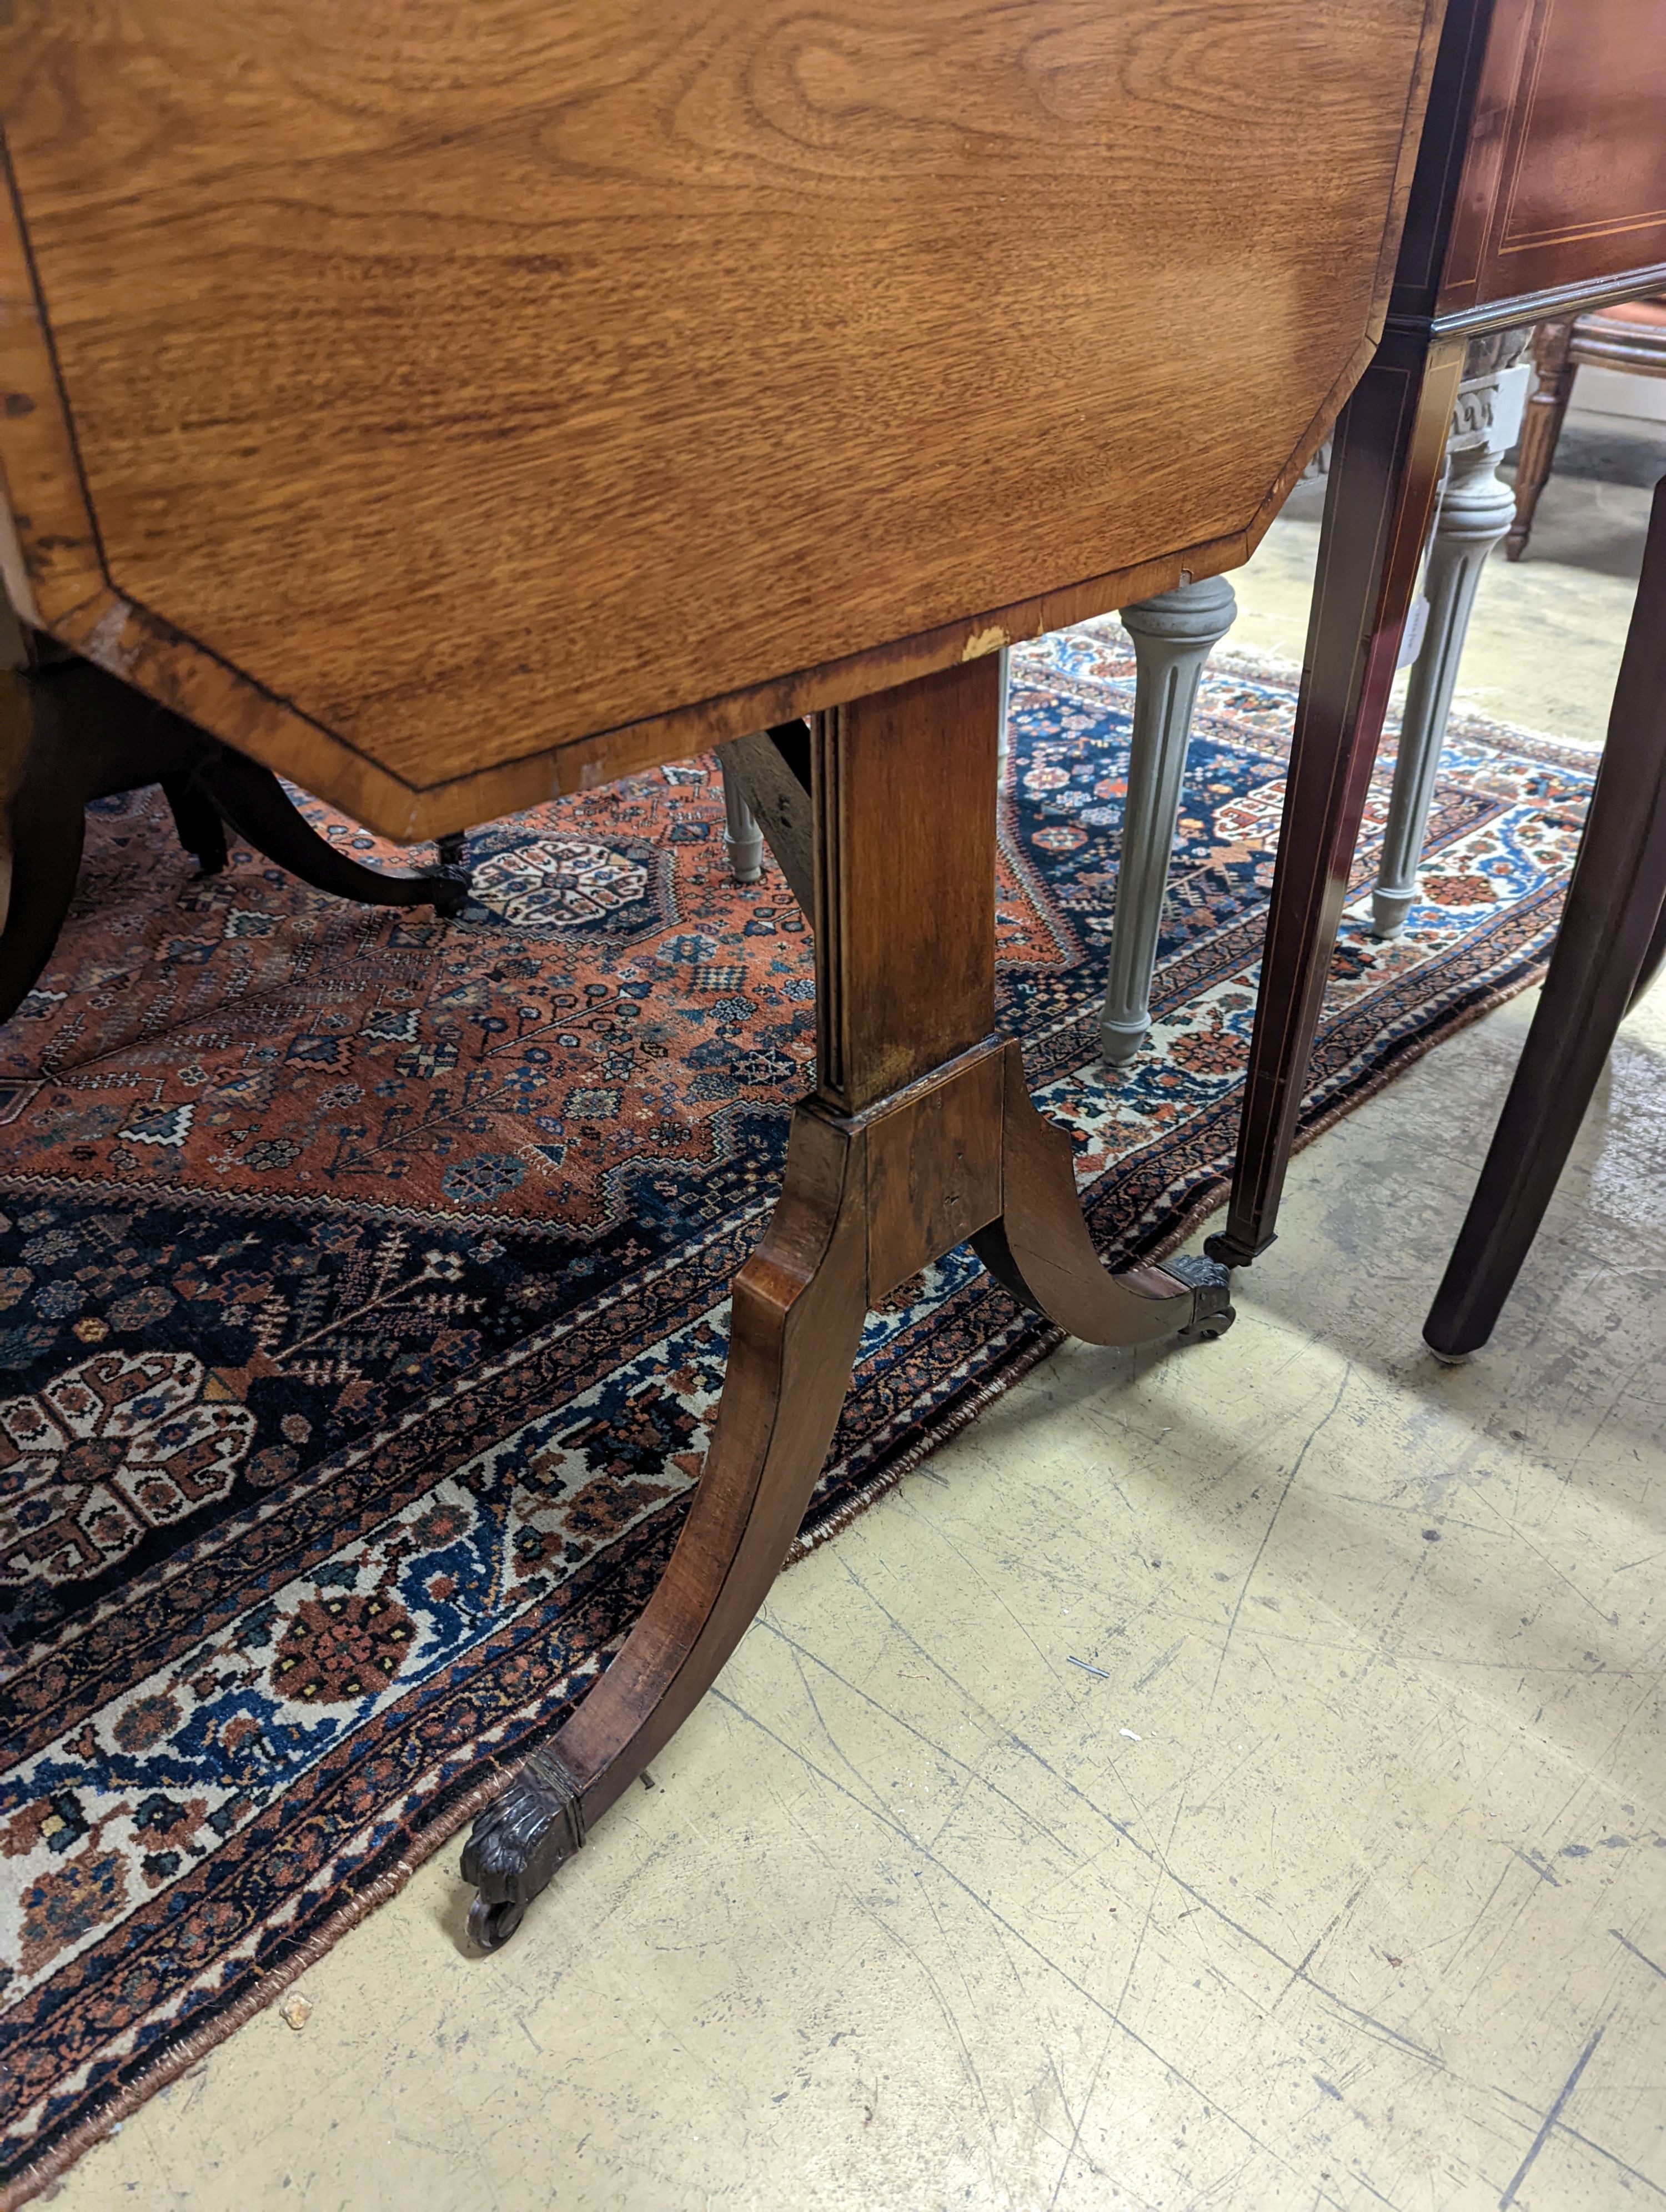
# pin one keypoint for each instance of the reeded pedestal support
(1476, 511)
(1173, 635)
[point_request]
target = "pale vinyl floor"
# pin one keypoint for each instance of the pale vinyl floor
(1347, 1888)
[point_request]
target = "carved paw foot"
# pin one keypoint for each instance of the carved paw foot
(518, 1842)
(1213, 1312)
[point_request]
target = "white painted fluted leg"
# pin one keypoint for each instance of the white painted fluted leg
(744, 838)
(1475, 513)
(1173, 634)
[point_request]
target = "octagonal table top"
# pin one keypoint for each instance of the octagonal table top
(453, 405)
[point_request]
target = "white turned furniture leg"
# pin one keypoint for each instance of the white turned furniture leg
(1173, 634)
(1475, 513)
(743, 836)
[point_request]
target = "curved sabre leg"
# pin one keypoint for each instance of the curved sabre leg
(259, 808)
(1612, 930)
(796, 1321)
(1040, 1247)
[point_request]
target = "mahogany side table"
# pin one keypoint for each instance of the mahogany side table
(1540, 192)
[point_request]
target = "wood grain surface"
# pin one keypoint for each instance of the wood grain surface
(907, 777)
(466, 403)
(1566, 179)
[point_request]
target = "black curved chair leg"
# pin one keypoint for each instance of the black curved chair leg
(258, 807)
(46, 859)
(451, 878)
(70, 732)
(197, 821)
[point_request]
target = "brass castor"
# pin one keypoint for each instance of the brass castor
(490, 1926)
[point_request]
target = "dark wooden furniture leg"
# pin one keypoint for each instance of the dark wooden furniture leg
(259, 808)
(1612, 927)
(920, 1135)
(1384, 470)
(42, 803)
(1542, 425)
(69, 733)
(1653, 960)
(197, 820)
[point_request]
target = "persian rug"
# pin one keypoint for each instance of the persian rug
(363, 1299)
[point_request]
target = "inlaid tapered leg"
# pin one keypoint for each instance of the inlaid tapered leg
(921, 1136)
(1611, 932)
(1385, 465)
(1653, 961)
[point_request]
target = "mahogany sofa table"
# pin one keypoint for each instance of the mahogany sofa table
(450, 408)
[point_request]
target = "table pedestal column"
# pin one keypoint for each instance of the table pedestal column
(920, 1135)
